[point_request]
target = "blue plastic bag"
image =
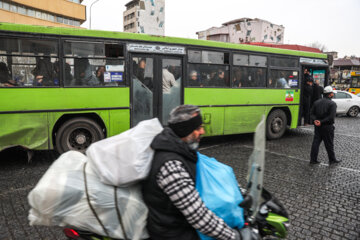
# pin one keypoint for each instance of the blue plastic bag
(219, 190)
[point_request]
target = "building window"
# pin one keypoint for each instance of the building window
(6, 6)
(13, 8)
(161, 9)
(37, 14)
(31, 13)
(51, 18)
(59, 20)
(161, 24)
(22, 10)
(76, 23)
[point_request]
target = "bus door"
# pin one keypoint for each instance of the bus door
(156, 86)
(317, 73)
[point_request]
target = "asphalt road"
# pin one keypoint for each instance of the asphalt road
(323, 201)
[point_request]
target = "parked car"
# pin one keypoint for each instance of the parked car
(347, 103)
(358, 94)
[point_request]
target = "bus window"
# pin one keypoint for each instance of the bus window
(284, 62)
(283, 79)
(258, 61)
(249, 77)
(142, 88)
(208, 69)
(93, 64)
(197, 56)
(241, 60)
(29, 62)
(206, 75)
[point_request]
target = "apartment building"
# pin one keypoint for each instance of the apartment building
(145, 16)
(60, 13)
(245, 30)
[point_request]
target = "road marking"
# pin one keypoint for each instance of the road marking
(284, 155)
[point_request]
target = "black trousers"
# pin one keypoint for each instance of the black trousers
(306, 109)
(323, 133)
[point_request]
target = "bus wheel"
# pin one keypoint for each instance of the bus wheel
(353, 111)
(276, 124)
(77, 134)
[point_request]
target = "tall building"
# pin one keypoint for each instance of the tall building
(145, 16)
(60, 13)
(245, 30)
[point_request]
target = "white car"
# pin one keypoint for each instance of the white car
(347, 103)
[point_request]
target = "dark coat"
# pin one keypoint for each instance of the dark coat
(165, 221)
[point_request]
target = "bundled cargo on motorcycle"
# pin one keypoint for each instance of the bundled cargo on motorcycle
(72, 192)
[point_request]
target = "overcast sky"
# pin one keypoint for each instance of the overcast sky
(333, 23)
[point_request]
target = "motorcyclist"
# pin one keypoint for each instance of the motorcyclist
(176, 210)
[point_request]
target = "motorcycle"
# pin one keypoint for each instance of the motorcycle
(263, 213)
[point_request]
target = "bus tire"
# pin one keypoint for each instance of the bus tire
(77, 134)
(276, 124)
(353, 111)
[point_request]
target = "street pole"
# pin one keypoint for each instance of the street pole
(90, 11)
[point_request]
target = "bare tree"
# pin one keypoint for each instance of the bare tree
(318, 45)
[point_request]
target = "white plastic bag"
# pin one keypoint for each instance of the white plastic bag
(126, 158)
(59, 199)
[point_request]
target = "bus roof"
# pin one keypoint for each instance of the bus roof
(150, 38)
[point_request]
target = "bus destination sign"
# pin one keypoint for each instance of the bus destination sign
(313, 61)
(147, 48)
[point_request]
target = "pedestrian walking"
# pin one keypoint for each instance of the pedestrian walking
(323, 116)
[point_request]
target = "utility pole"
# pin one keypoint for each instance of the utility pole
(90, 12)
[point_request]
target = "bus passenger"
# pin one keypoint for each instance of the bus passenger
(193, 79)
(43, 72)
(83, 73)
(140, 70)
(237, 78)
(100, 74)
(5, 78)
(219, 79)
(140, 74)
(281, 82)
(168, 80)
(67, 74)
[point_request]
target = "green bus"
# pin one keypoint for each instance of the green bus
(64, 89)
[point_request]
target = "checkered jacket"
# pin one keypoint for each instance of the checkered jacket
(176, 182)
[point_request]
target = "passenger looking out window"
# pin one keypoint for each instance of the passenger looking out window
(44, 72)
(237, 78)
(194, 79)
(100, 74)
(83, 73)
(219, 79)
(140, 71)
(5, 77)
